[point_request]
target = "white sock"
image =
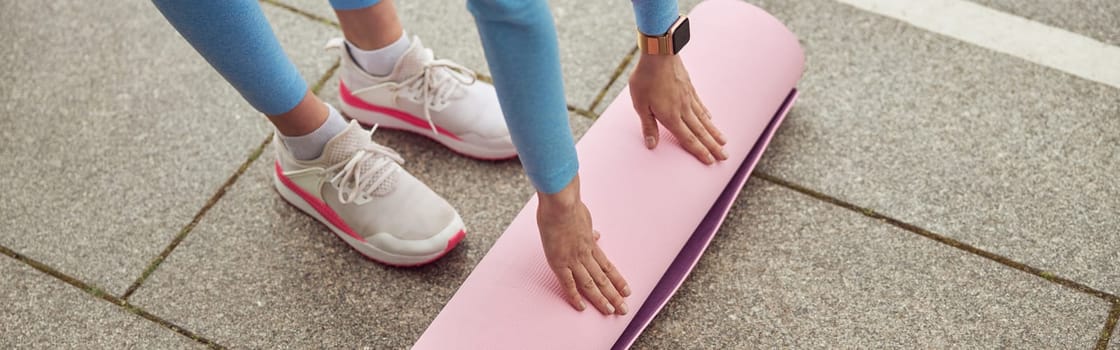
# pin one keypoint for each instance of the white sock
(310, 146)
(381, 61)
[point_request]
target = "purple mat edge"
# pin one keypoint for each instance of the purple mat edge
(690, 254)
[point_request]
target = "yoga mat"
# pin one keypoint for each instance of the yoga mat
(657, 210)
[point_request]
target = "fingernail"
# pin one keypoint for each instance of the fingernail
(709, 159)
(622, 309)
(723, 153)
(626, 290)
(582, 306)
(610, 309)
(650, 142)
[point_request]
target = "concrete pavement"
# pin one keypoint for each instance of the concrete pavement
(924, 192)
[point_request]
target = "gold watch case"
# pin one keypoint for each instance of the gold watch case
(663, 44)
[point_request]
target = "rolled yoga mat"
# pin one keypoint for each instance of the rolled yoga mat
(657, 210)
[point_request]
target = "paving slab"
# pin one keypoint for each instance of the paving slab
(789, 271)
(594, 36)
(985, 148)
(1097, 19)
(256, 272)
(43, 312)
(116, 132)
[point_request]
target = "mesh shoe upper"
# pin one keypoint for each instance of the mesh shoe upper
(456, 101)
(365, 185)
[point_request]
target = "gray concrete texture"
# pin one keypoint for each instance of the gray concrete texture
(594, 36)
(117, 132)
(1002, 154)
(1097, 19)
(257, 272)
(791, 272)
(996, 152)
(42, 312)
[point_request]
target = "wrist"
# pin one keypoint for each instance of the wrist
(656, 62)
(652, 58)
(567, 198)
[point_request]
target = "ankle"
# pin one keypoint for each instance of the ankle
(382, 60)
(310, 145)
(304, 118)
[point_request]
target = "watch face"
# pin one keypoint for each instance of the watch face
(680, 36)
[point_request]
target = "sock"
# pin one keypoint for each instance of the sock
(380, 62)
(310, 146)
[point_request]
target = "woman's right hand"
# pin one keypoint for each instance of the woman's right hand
(573, 253)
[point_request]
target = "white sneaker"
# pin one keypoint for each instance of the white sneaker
(436, 98)
(358, 190)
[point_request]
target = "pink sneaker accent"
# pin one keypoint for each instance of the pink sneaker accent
(319, 206)
(352, 100)
(451, 243)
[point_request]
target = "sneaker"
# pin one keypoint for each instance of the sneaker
(358, 189)
(433, 97)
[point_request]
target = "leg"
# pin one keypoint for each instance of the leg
(374, 37)
(392, 80)
(324, 165)
(369, 25)
(235, 38)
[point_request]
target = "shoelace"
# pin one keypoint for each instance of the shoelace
(352, 183)
(431, 86)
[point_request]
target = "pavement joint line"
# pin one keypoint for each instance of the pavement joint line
(101, 294)
(484, 78)
(1109, 327)
(301, 12)
(998, 31)
(326, 77)
(1046, 275)
(582, 112)
(186, 230)
(614, 77)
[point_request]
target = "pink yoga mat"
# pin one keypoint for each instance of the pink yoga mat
(657, 210)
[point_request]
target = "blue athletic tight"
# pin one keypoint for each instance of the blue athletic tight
(519, 38)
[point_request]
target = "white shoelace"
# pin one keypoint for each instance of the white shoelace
(434, 89)
(354, 184)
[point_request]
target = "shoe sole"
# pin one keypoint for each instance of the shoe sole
(316, 208)
(369, 114)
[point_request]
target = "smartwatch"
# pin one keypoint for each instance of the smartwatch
(669, 43)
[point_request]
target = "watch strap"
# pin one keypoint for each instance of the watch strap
(662, 44)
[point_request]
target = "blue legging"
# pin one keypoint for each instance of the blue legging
(519, 38)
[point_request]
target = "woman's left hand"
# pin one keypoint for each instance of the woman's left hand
(662, 93)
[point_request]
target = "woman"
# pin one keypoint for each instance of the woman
(331, 169)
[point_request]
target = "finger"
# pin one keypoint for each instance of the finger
(705, 137)
(612, 273)
(649, 128)
(689, 141)
(571, 293)
(706, 119)
(590, 290)
(606, 286)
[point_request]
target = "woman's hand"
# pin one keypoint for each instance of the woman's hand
(574, 255)
(662, 92)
